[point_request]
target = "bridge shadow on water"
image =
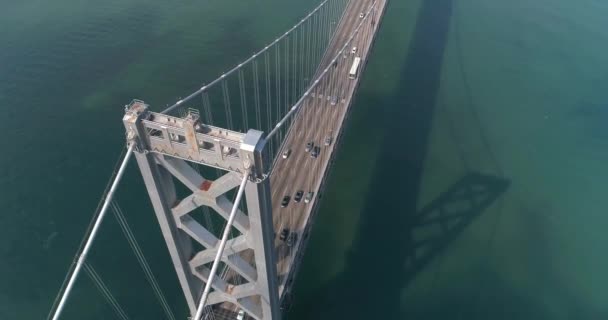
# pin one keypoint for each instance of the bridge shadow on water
(395, 240)
(395, 243)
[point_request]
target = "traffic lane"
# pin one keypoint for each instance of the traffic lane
(352, 16)
(350, 86)
(317, 135)
(344, 30)
(329, 112)
(304, 135)
(297, 212)
(297, 218)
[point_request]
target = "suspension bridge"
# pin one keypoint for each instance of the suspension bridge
(252, 149)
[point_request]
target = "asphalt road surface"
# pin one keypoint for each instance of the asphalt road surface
(320, 118)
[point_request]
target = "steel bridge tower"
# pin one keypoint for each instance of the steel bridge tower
(297, 87)
(162, 146)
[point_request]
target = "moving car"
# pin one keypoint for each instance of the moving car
(286, 153)
(309, 196)
(328, 140)
(362, 15)
(315, 152)
(334, 100)
(309, 146)
(354, 50)
(241, 315)
(285, 201)
(298, 196)
(284, 234)
(291, 239)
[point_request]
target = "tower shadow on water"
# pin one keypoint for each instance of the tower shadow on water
(395, 240)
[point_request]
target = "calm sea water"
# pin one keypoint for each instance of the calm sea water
(477, 144)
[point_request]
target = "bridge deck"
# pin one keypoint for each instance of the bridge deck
(321, 119)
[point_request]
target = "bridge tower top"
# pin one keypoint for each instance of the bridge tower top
(189, 139)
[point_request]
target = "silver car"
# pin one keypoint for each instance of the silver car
(308, 197)
(328, 140)
(309, 146)
(286, 153)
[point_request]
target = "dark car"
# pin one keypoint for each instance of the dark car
(285, 201)
(309, 146)
(315, 152)
(298, 196)
(284, 234)
(291, 239)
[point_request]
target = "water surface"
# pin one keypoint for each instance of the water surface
(477, 144)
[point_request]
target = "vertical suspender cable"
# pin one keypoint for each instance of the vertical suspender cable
(227, 108)
(294, 64)
(220, 250)
(243, 100)
(286, 82)
(302, 56)
(330, 18)
(312, 40)
(91, 237)
(268, 97)
(277, 78)
(277, 61)
(268, 103)
(256, 95)
(331, 21)
(294, 70)
(207, 108)
(314, 45)
(309, 52)
(332, 14)
(319, 39)
(323, 33)
(316, 37)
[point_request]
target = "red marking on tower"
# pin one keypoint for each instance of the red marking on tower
(205, 185)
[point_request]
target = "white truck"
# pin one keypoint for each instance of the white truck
(354, 69)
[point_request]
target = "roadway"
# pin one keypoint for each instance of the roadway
(318, 119)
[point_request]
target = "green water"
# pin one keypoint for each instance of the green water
(470, 182)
